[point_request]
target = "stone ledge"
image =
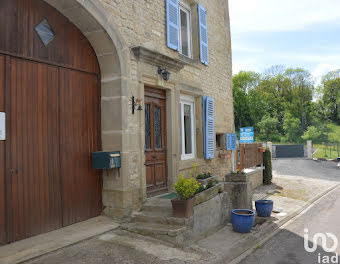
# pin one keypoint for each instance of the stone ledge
(208, 194)
(242, 177)
(157, 59)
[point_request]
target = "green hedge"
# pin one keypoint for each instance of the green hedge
(267, 162)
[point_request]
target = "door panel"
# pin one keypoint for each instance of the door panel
(80, 136)
(155, 140)
(3, 235)
(33, 179)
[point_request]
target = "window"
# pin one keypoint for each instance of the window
(184, 30)
(219, 140)
(188, 127)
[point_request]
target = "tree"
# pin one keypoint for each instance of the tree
(243, 82)
(331, 95)
(302, 86)
(292, 128)
(314, 134)
(268, 128)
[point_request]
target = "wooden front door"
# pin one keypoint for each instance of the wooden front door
(155, 140)
(51, 96)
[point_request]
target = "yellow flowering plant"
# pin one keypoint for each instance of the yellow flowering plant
(186, 188)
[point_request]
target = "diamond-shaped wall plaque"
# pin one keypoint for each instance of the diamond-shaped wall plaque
(45, 32)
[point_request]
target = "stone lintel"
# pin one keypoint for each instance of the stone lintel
(157, 59)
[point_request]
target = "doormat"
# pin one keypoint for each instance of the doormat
(169, 196)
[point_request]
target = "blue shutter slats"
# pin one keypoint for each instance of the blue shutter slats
(209, 127)
(203, 34)
(172, 24)
(231, 141)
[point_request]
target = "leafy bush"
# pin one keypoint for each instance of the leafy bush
(315, 134)
(267, 162)
(186, 188)
(201, 188)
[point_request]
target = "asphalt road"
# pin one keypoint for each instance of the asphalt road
(287, 246)
(325, 170)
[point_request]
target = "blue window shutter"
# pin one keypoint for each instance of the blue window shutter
(209, 128)
(203, 34)
(172, 24)
(231, 141)
(228, 140)
(204, 101)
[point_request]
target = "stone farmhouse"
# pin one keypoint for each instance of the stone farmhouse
(150, 79)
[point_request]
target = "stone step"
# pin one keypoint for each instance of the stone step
(154, 229)
(166, 218)
(157, 205)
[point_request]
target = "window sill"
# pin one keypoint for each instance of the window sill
(190, 61)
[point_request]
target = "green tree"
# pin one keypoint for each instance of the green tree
(268, 128)
(314, 134)
(330, 87)
(302, 87)
(243, 82)
(292, 128)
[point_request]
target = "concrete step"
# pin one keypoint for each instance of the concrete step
(154, 229)
(166, 218)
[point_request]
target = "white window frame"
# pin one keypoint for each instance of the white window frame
(188, 100)
(187, 10)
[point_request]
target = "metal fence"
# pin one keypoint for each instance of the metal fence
(249, 155)
(330, 149)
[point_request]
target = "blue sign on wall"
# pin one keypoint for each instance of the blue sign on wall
(231, 142)
(246, 135)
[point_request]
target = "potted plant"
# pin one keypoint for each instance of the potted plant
(264, 208)
(204, 178)
(242, 220)
(183, 206)
(262, 149)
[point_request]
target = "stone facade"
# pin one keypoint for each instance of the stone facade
(129, 38)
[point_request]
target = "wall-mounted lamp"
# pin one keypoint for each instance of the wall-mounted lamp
(164, 72)
(136, 103)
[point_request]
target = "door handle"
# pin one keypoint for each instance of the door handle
(14, 171)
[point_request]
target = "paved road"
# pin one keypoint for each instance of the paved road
(325, 170)
(287, 246)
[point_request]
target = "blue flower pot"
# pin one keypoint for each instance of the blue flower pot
(264, 208)
(242, 220)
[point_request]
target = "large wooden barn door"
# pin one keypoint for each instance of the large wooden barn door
(33, 178)
(3, 234)
(80, 136)
(50, 91)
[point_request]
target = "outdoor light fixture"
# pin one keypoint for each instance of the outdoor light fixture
(164, 72)
(136, 102)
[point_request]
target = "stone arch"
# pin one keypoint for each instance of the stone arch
(97, 24)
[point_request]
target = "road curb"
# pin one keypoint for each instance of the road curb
(275, 227)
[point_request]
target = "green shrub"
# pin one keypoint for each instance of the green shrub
(267, 162)
(186, 188)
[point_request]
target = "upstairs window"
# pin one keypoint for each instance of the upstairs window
(185, 30)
